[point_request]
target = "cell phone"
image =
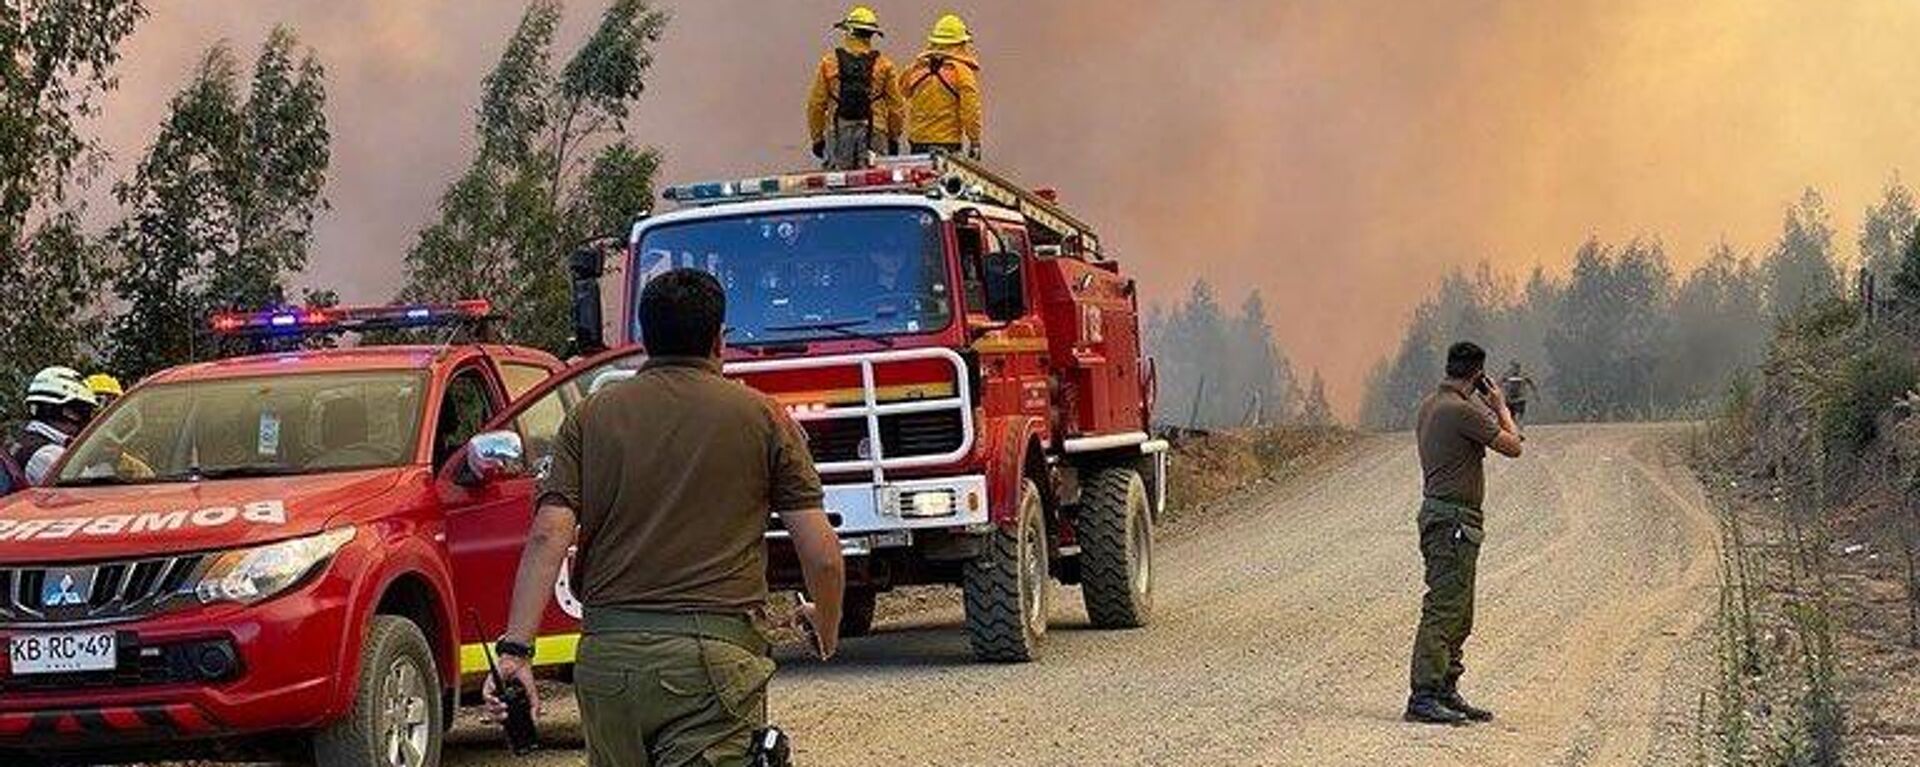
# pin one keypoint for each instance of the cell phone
(1483, 384)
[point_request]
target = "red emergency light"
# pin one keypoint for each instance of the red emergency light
(337, 319)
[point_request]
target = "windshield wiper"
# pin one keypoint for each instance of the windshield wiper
(232, 472)
(100, 479)
(844, 328)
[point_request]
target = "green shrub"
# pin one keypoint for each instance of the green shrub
(1825, 320)
(1853, 398)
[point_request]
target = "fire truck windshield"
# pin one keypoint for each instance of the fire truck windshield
(817, 274)
(259, 426)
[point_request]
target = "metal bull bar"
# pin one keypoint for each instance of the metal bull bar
(871, 409)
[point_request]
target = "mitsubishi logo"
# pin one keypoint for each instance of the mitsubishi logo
(68, 589)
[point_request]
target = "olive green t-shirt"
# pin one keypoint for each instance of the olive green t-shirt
(673, 474)
(1454, 432)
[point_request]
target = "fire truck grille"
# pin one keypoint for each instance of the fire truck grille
(95, 592)
(901, 436)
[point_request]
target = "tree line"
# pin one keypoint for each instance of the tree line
(1219, 371)
(1621, 335)
(218, 213)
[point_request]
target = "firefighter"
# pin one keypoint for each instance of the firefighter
(855, 107)
(1456, 424)
(942, 89)
(1518, 387)
(105, 388)
(668, 479)
(59, 405)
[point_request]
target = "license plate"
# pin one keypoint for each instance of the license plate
(60, 653)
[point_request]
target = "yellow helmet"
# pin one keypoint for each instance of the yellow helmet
(861, 19)
(949, 30)
(101, 383)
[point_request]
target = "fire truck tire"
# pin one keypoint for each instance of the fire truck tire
(1115, 533)
(856, 612)
(1008, 589)
(395, 719)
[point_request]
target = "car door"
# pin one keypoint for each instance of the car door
(485, 522)
(487, 536)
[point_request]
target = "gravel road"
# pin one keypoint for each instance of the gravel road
(1283, 628)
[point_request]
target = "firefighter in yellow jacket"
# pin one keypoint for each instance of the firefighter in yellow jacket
(855, 106)
(942, 89)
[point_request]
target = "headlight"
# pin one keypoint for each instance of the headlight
(250, 575)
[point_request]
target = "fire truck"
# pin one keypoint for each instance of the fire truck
(297, 554)
(965, 359)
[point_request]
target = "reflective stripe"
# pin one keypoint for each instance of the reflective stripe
(547, 651)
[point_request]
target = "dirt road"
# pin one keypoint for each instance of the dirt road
(1283, 631)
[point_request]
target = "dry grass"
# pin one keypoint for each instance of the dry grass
(1210, 468)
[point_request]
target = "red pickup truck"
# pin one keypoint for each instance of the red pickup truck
(296, 554)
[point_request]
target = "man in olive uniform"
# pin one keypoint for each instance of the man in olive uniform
(1456, 424)
(670, 477)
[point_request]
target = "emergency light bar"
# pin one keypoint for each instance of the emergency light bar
(338, 319)
(908, 175)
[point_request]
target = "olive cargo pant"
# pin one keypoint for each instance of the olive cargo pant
(1450, 536)
(651, 699)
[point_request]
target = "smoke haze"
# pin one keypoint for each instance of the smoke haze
(1338, 155)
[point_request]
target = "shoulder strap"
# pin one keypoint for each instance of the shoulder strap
(934, 65)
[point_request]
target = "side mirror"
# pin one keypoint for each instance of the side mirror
(1006, 296)
(493, 456)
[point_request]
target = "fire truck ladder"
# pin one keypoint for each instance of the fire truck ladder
(963, 177)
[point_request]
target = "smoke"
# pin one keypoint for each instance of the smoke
(1338, 155)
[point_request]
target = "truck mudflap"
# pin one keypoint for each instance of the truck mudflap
(135, 722)
(1006, 443)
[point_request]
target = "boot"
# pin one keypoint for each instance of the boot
(1427, 709)
(1453, 701)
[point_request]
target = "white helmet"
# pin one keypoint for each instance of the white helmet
(58, 386)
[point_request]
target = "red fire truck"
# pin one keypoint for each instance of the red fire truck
(283, 553)
(965, 359)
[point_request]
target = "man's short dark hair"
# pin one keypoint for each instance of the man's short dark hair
(1465, 359)
(680, 313)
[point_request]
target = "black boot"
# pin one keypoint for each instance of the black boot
(1427, 709)
(1453, 701)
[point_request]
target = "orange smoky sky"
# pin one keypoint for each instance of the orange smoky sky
(1337, 155)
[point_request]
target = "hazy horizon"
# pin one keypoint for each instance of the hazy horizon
(1338, 156)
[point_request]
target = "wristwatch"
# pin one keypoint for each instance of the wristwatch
(507, 647)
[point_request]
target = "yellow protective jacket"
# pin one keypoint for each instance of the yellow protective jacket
(942, 89)
(889, 109)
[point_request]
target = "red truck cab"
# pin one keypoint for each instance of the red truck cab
(268, 554)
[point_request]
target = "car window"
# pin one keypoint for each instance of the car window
(463, 411)
(521, 377)
(282, 424)
(540, 421)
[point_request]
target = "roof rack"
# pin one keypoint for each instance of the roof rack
(936, 175)
(320, 320)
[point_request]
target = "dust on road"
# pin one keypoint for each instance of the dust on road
(1282, 635)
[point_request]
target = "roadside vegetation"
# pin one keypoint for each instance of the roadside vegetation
(1815, 469)
(1211, 469)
